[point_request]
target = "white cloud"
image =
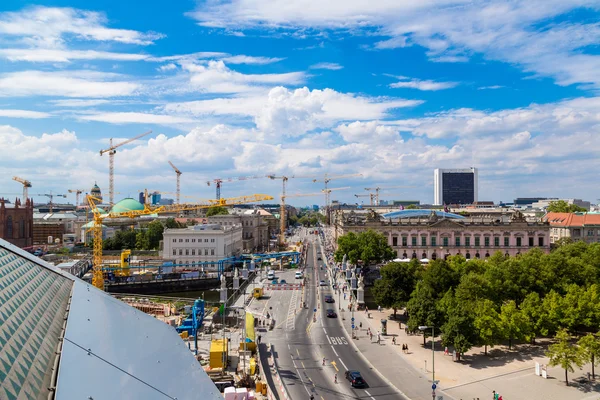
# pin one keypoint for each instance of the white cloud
(79, 102)
(49, 27)
(426, 85)
(65, 56)
(492, 87)
(80, 83)
(23, 147)
(202, 55)
(23, 114)
(136, 117)
(291, 113)
(326, 65)
(216, 77)
(167, 67)
(368, 132)
(522, 32)
(242, 59)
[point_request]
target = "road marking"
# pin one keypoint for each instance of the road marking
(298, 352)
(369, 394)
(336, 354)
(343, 364)
(302, 362)
(335, 366)
(301, 380)
(324, 331)
(337, 340)
(289, 348)
(329, 340)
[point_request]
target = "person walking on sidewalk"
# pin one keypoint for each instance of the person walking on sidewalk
(394, 340)
(371, 336)
(378, 308)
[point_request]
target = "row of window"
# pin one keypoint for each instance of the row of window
(457, 241)
(192, 252)
(193, 240)
(434, 255)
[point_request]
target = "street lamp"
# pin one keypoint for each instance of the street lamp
(423, 328)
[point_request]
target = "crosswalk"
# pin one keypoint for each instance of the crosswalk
(290, 323)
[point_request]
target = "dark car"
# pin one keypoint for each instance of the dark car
(329, 299)
(355, 378)
(331, 313)
(319, 258)
(282, 281)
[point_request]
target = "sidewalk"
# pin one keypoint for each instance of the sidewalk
(511, 373)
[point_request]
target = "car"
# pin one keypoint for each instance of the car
(356, 379)
(331, 313)
(299, 275)
(282, 281)
(329, 299)
(275, 281)
(322, 283)
(319, 258)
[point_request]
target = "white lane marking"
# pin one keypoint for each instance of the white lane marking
(329, 340)
(289, 348)
(336, 354)
(299, 377)
(324, 331)
(369, 394)
(338, 340)
(343, 364)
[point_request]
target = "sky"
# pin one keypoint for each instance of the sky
(389, 89)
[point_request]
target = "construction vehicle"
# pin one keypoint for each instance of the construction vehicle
(26, 185)
(219, 181)
(178, 172)
(111, 163)
(98, 278)
(194, 320)
(258, 292)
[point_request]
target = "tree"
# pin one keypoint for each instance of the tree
(537, 316)
(589, 346)
(412, 207)
(564, 207)
(141, 240)
(371, 247)
(216, 210)
(398, 281)
(514, 324)
(171, 223)
(458, 330)
(155, 234)
(564, 353)
(487, 324)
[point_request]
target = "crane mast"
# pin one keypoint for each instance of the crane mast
(178, 172)
(26, 184)
(111, 163)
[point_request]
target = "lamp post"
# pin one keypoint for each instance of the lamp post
(423, 328)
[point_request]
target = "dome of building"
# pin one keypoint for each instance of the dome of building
(127, 204)
(96, 192)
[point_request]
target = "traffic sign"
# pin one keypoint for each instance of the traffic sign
(315, 310)
(352, 319)
(352, 326)
(434, 386)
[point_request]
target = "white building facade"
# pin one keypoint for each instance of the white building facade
(455, 186)
(211, 242)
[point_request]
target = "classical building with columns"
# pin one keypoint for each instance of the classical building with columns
(431, 234)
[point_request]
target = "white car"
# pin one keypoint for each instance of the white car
(322, 283)
(299, 275)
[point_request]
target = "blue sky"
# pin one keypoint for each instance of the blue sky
(390, 89)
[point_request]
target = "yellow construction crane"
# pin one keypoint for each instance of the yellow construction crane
(379, 188)
(370, 195)
(219, 181)
(98, 277)
(77, 193)
(26, 184)
(282, 213)
(178, 172)
(111, 163)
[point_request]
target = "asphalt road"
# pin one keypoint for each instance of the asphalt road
(303, 337)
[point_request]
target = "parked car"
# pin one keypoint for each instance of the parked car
(319, 258)
(322, 283)
(299, 275)
(275, 281)
(282, 281)
(329, 299)
(356, 379)
(331, 313)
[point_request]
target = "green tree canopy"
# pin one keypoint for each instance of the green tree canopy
(564, 207)
(398, 281)
(565, 354)
(515, 325)
(217, 210)
(411, 207)
(371, 247)
(487, 324)
(589, 347)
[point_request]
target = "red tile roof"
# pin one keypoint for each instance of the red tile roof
(570, 219)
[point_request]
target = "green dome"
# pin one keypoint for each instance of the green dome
(127, 204)
(101, 210)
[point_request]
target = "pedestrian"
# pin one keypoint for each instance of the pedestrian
(258, 339)
(371, 336)
(446, 350)
(394, 340)
(344, 296)
(407, 349)
(360, 324)
(366, 309)
(379, 308)
(403, 347)
(378, 338)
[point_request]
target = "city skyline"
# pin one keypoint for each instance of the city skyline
(391, 90)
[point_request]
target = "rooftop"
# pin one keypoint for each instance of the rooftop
(420, 213)
(572, 219)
